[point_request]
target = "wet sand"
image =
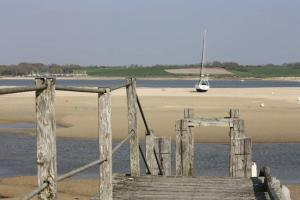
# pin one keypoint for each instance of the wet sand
(276, 121)
(17, 187)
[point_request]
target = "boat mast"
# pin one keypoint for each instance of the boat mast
(203, 54)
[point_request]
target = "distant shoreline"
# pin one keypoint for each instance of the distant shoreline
(156, 78)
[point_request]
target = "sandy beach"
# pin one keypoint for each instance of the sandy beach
(276, 121)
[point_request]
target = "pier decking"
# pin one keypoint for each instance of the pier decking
(175, 187)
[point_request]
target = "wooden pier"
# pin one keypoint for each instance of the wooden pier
(190, 187)
(159, 182)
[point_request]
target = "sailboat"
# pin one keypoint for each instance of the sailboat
(202, 84)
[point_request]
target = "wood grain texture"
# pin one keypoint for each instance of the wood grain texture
(184, 149)
(163, 149)
(222, 122)
(105, 145)
(132, 127)
(236, 132)
(234, 113)
(46, 138)
(188, 113)
(149, 151)
(241, 157)
(172, 187)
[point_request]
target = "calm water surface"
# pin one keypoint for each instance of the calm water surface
(162, 83)
(18, 156)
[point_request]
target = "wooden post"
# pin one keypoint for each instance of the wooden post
(188, 113)
(234, 113)
(242, 158)
(163, 149)
(46, 138)
(132, 127)
(105, 144)
(149, 151)
(184, 149)
(236, 131)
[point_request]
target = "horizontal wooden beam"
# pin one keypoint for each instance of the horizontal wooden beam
(12, 90)
(81, 89)
(223, 122)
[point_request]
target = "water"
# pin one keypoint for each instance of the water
(23, 125)
(161, 83)
(18, 157)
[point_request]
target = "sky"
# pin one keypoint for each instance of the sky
(124, 32)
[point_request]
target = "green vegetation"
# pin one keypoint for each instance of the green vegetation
(265, 71)
(128, 71)
(262, 71)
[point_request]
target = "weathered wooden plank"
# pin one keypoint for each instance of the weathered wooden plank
(105, 145)
(184, 149)
(157, 187)
(149, 151)
(163, 148)
(239, 125)
(132, 127)
(222, 122)
(188, 113)
(236, 131)
(242, 157)
(234, 113)
(46, 138)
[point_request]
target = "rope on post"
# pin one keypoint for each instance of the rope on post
(35, 192)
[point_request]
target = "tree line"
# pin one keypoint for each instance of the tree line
(23, 69)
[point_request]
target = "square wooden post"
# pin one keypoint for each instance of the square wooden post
(46, 138)
(188, 113)
(242, 158)
(162, 147)
(184, 149)
(132, 127)
(105, 145)
(150, 159)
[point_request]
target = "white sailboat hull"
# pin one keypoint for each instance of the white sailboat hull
(201, 88)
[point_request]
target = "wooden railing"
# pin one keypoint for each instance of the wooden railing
(240, 158)
(46, 137)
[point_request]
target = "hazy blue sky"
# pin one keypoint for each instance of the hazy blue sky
(117, 32)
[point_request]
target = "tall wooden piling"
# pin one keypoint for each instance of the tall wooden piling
(105, 144)
(240, 160)
(46, 138)
(184, 148)
(242, 157)
(132, 127)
